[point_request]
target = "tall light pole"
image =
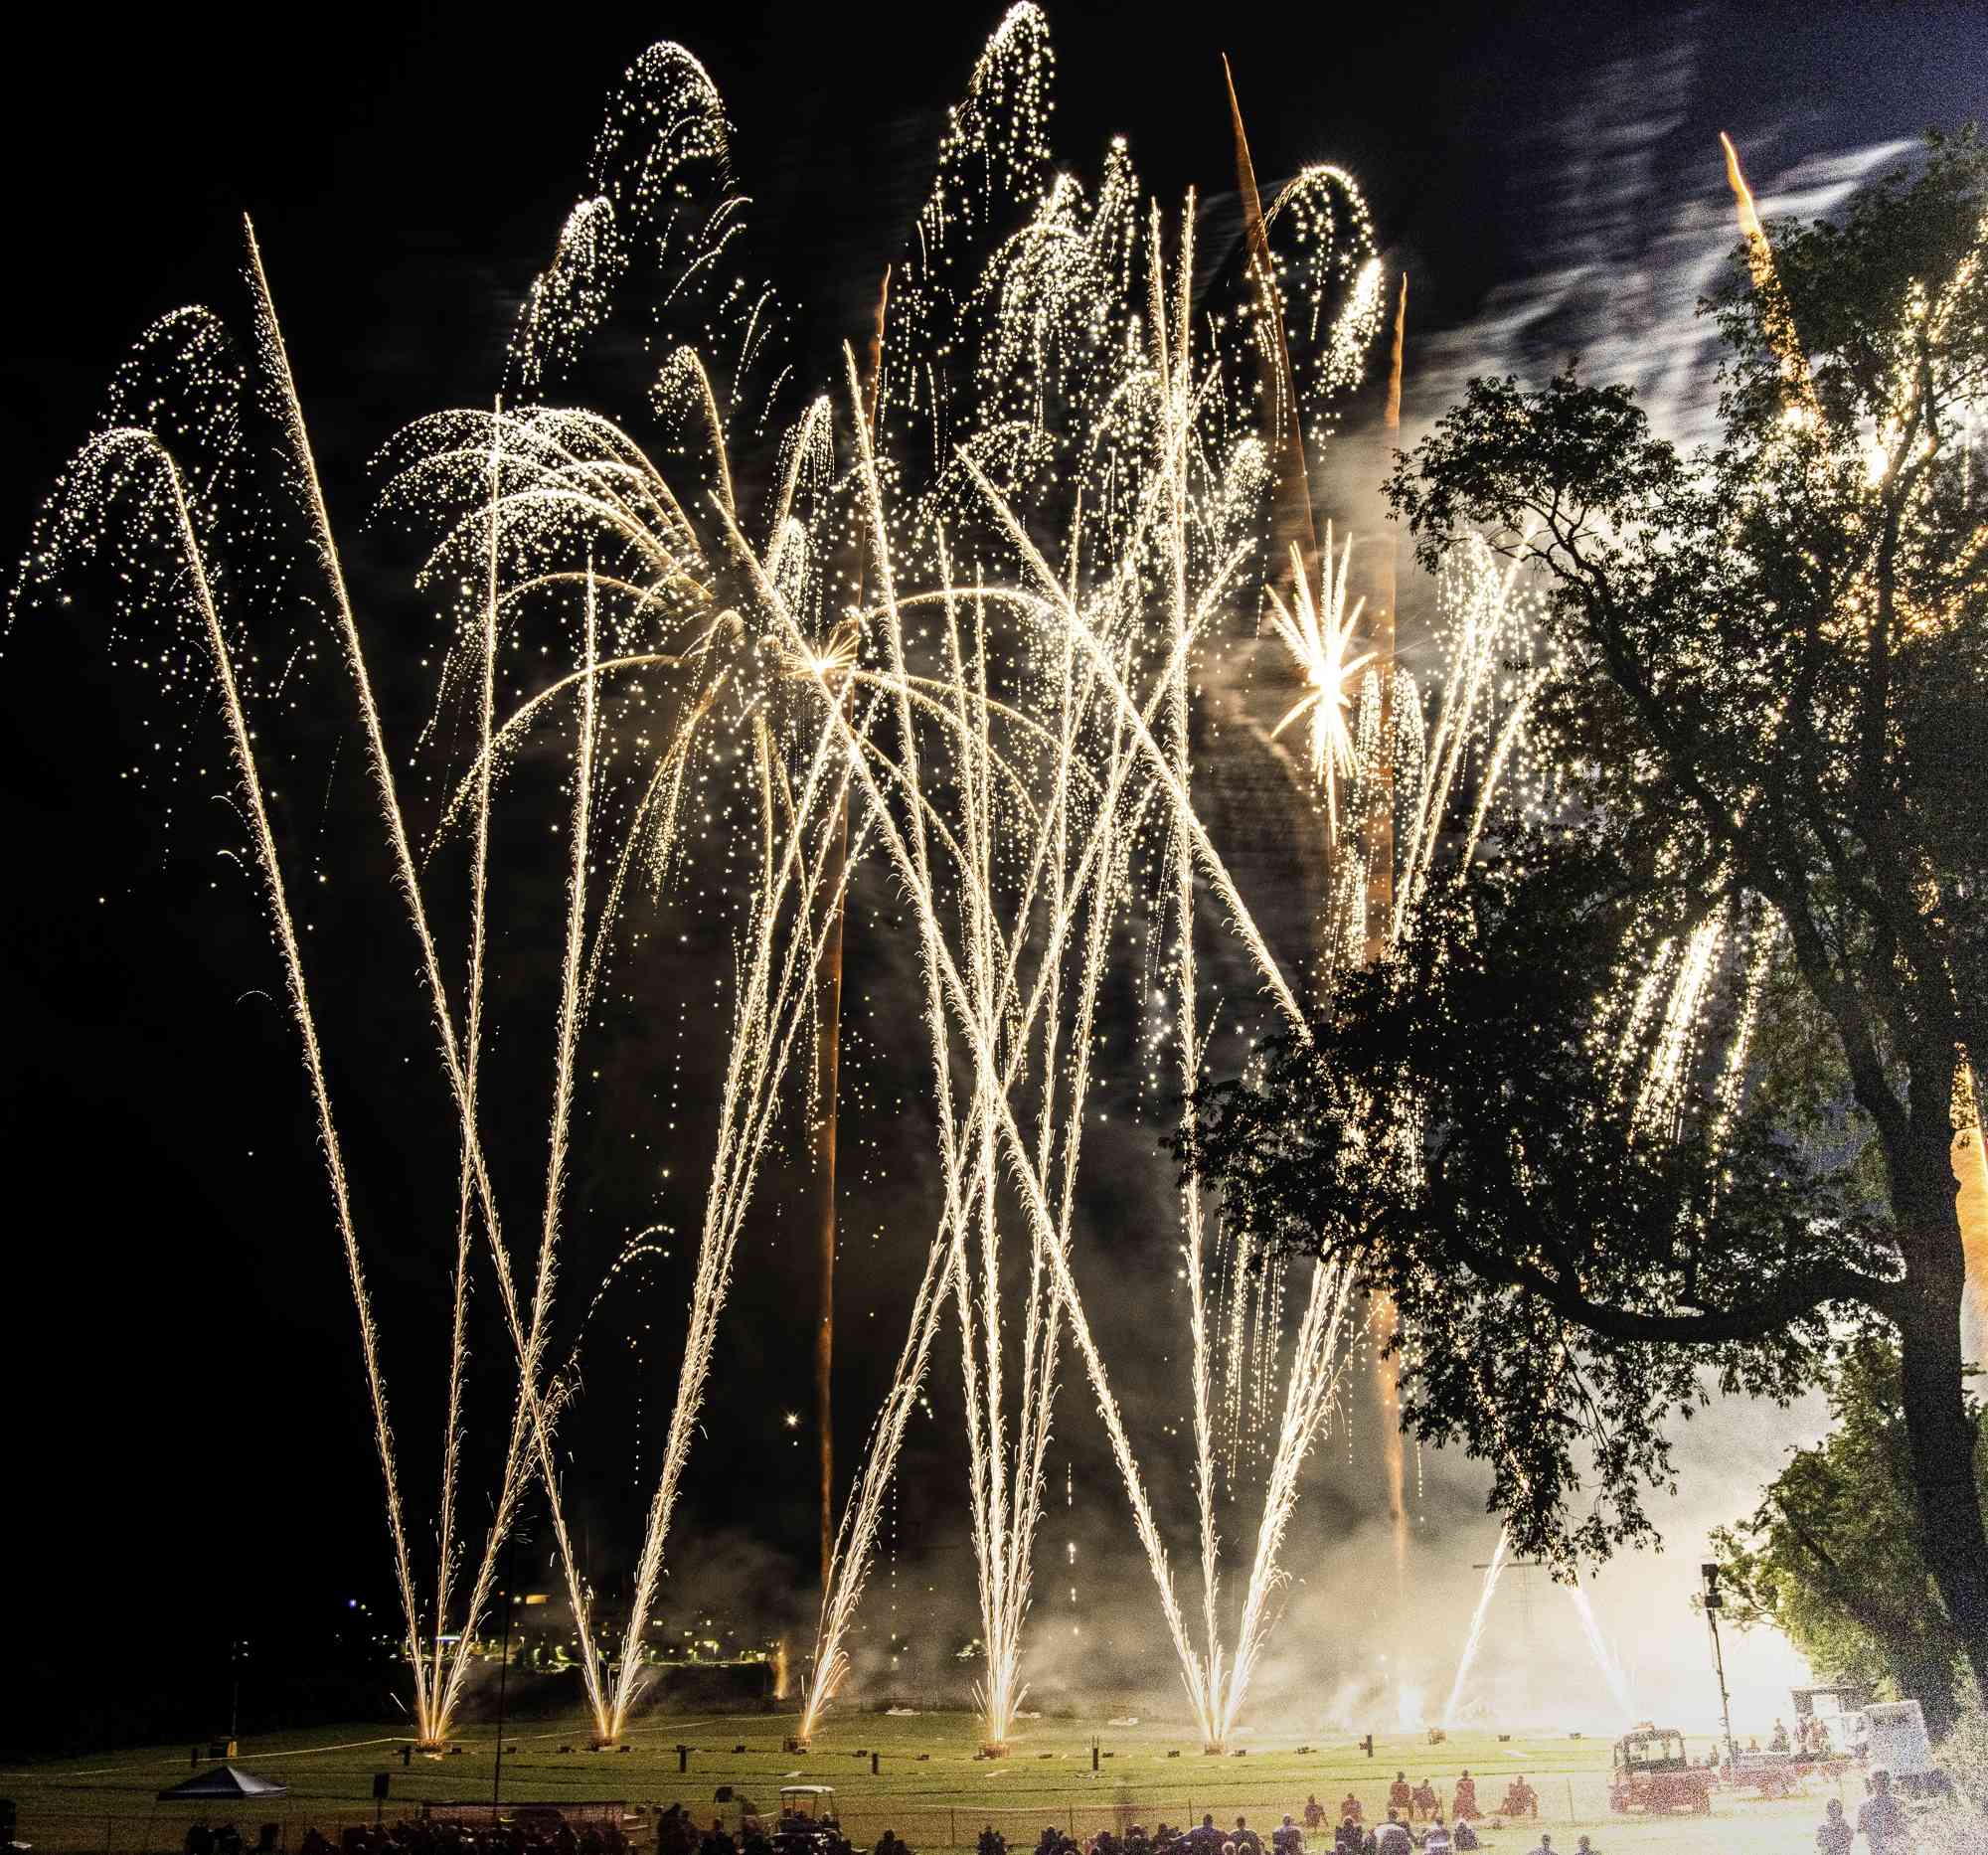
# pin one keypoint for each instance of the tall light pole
(1714, 1603)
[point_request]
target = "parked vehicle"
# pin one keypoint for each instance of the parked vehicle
(1652, 1773)
(1896, 1741)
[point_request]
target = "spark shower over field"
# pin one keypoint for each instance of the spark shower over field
(970, 615)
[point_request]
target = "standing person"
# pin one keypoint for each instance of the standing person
(1314, 1813)
(1834, 1834)
(1464, 1806)
(1398, 1794)
(1881, 1820)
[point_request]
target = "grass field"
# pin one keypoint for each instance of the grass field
(928, 1786)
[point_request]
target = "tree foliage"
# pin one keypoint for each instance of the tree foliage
(1831, 1556)
(1768, 691)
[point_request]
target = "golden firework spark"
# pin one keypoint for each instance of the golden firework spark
(1319, 633)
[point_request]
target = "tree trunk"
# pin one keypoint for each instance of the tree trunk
(1939, 1432)
(1925, 1671)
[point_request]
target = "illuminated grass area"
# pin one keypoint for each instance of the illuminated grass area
(938, 1801)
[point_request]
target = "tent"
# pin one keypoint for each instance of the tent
(226, 1784)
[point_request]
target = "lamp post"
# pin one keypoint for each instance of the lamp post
(1714, 1603)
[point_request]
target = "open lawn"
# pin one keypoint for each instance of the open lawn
(928, 1786)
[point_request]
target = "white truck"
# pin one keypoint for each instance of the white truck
(1894, 1739)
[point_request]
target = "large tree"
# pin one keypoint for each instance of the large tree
(1831, 1556)
(1767, 686)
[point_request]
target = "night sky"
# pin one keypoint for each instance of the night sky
(189, 1458)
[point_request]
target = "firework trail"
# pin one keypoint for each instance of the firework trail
(460, 1065)
(125, 458)
(1605, 1656)
(1468, 1659)
(1777, 315)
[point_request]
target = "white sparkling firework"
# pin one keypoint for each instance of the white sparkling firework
(1062, 496)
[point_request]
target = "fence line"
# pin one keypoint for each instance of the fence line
(931, 1821)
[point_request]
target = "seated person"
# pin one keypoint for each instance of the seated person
(1423, 1801)
(1350, 1811)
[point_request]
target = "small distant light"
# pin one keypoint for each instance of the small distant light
(793, 1420)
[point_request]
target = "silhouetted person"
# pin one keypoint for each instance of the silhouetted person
(1881, 1820)
(1834, 1835)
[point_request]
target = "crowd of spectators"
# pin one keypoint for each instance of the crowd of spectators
(436, 1836)
(1414, 1825)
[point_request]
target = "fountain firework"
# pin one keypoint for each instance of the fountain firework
(1070, 522)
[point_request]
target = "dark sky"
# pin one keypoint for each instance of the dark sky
(180, 1352)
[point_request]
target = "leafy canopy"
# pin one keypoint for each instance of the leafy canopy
(1600, 1183)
